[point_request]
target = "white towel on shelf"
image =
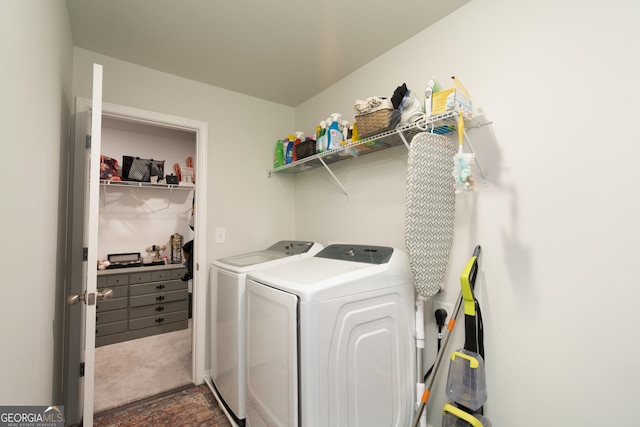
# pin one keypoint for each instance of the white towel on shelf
(372, 104)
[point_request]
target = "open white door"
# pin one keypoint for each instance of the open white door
(85, 302)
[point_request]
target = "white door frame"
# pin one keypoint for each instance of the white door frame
(200, 228)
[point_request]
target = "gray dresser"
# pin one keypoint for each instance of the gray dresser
(146, 301)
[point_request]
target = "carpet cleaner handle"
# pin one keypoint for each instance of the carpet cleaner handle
(468, 281)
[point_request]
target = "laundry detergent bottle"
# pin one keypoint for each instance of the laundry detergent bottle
(288, 149)
(278, 155)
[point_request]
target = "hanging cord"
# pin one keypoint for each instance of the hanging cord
(441, 317)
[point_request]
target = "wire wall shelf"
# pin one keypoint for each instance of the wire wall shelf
(444, 123)
(441, 124)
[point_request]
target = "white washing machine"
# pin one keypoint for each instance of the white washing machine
(228, 314)
(330, 340)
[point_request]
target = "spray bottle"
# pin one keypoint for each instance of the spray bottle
(432, 87)
(346, 137)
(321, 141)
(297, 141)
(335, 136)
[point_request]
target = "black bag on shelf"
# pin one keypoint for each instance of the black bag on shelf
(137, 169)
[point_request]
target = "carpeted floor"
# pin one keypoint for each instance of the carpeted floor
(190, 406)
(133, 370)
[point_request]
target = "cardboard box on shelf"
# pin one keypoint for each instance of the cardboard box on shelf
(450, 99)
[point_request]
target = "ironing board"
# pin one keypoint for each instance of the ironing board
(430, 209)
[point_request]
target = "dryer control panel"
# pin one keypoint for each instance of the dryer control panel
(357, 253)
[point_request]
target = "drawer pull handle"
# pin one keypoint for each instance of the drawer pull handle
(160, 320)
(159, 297)
(160, 287)
(160, 308)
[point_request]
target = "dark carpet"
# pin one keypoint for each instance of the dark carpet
(189, 406)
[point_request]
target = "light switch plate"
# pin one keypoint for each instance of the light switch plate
(221, 235)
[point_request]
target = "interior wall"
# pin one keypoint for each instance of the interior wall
(555, 220)
(34, 112)
(254, 209)
(132, 218)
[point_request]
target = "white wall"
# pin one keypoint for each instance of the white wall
(36, 47)
(255, 210)
(557, 220)
(132, 219)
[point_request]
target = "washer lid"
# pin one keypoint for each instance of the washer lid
(292, 249)
(252, 258)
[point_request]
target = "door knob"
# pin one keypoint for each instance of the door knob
(75, 298)
(103, 294)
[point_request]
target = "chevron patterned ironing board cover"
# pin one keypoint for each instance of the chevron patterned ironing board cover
(430, 210)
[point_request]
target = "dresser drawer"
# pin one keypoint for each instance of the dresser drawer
(111, 304)
(111, 328)
(154, 288)
(160, 319)
(158, 276)
(111, 316)
(162, 297)
(158, 309)
(140, 277)
(178, 274)
(113, 281)
(117, 280)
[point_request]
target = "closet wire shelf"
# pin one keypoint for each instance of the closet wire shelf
(443, 123)
(132, 185)
(135, 184)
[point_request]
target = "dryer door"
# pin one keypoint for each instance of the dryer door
(272, 356)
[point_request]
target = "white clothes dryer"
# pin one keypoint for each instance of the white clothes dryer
(227, 319)
(330, 340)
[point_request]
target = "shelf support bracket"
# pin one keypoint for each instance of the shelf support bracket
(468, 141)
(334, 177)
(404, 140)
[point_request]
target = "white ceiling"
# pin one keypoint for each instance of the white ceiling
(285, 51)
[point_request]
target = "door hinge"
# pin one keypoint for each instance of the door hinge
(85, 254)
(82, 369)
(87, 142)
